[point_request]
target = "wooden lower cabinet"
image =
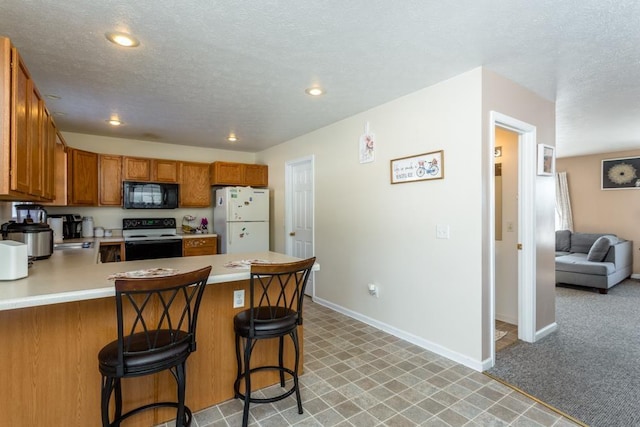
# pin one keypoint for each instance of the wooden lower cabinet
(112, 252)
(50, 355)
(194, 246)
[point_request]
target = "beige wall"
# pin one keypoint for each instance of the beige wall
(369, 231)
(602, 211)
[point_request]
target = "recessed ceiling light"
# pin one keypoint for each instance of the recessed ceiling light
(314, 91)
(114, 122)
(232, 138)
(122, 39)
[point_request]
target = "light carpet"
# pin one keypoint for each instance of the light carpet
(590, 367)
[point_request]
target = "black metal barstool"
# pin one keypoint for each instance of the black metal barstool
(276, 296)
(157, 333)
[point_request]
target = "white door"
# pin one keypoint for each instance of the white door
(300, 212)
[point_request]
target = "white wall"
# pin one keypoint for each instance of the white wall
(432, 291)
(368, 230)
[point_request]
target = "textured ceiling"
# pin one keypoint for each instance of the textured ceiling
(207, 68)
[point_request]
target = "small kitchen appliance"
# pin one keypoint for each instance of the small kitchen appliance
(71, 225)
(241, 219)
(149, 195)
(38, 237)
(14, 261)
(150, 238)
(31, 213)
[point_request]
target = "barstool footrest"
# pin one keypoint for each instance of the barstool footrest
(187, 412)
(284, 395)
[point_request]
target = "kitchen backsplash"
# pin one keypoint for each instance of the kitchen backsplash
(111, 217)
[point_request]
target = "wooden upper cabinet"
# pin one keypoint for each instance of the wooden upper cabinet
(60, 177)
(20, 147)
(110, 186)
(256, 175)
(27, 160)
(49, 133)
(82, 170)
(229, 173)
(136, 169)
(164, 170)
(195, 191)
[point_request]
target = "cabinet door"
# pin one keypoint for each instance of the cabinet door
(136, 169)
(164, 170)
(60, 192)
(20, 96)
(82, 167)
(195, 191)
(226, 173)
(256, 175)
(49, 170)
(194, 246)
(36, 143)
(110, 180)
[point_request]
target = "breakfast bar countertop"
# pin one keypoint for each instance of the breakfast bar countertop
(74, 275)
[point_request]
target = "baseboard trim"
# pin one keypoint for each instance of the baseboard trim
(546, 331)
(635, 276)
(420, 342)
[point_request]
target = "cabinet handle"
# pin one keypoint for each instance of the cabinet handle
(293, 233)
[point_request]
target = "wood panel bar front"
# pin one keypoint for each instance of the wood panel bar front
(50, 367)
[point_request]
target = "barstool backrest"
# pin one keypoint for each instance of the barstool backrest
(158, 312)
(277, 290)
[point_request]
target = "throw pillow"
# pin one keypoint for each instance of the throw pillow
(563, 240)
(599, 249)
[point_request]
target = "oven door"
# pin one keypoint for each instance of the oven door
(152, 249)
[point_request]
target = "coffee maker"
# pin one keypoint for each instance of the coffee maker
(71, 225)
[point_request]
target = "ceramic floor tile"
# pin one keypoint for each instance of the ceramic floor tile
(356, 375)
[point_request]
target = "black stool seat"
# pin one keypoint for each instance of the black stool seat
(142, 361)
(157, 333)
(276, 295)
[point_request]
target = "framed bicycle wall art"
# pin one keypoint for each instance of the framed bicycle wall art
(420, 167)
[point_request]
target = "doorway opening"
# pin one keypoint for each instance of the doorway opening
(526, 245)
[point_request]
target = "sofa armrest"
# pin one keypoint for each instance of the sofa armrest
(621, 254)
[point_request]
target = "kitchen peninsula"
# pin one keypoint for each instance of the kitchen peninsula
(55, 321)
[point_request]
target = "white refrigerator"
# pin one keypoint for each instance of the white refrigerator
(241, 219)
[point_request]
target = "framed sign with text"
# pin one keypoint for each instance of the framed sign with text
(420, 167)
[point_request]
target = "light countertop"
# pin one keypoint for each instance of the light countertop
(74, 274)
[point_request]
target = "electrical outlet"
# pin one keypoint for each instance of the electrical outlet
(373, 289)
(238, 298)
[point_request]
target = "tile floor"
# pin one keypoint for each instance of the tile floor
(356, 375)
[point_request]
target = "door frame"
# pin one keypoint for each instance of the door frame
(288, 209)
(526, 226)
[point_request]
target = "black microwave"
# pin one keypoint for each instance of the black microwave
(149, 195)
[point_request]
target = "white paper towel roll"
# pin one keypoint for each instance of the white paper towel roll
(56, 226)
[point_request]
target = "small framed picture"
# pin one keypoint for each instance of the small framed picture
(621, 174)
(546, 159)
(420, 167)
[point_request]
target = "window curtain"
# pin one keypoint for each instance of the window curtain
(564, 218)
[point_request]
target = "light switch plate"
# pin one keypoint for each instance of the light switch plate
(442, 231)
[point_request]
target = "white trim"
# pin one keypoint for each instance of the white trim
(635, 276)
(476, 365)
(526, 227)
(546, 331)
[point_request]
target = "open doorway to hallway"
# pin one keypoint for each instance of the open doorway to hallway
(506, 237)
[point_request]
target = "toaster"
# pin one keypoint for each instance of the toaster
(14, 261)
